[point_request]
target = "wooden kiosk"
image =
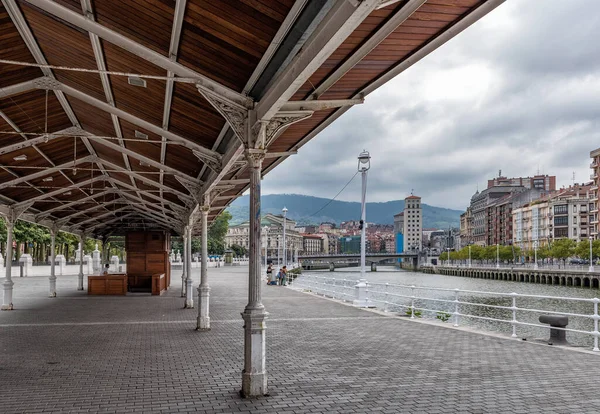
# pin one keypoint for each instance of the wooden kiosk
(148, 267)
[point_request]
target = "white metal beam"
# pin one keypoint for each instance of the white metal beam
(94, 208)
(80, 21)
(41, 139)
(145, 180)
(101, 216)
(71, 204)
(145, 159)
(317, 105)
(150, 195)
(93, 228)
(176, 28)
(45, 172)
(61, 190)
(75, 93)
(333, 30)
(19, 21)
(390, 25)
(88, 11)
(16, 89)
(153, 210)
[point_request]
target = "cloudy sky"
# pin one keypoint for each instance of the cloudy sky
(518, 91)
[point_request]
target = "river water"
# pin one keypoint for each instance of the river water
(393, 275)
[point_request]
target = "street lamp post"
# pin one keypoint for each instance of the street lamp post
(591, 269)
(448, 250)
(497, 256)
(364, 163)
(284, 211)
(535, 247)
(266, 230)
(469, 255)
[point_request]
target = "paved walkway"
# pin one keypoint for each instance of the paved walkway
(141, 354)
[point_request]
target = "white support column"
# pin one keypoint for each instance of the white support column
(80, 275)
(184, 262)
(52, 293)
(254, 375)
(189, 292)
(7, 285)
(203, 322)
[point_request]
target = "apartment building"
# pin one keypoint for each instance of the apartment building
(593, 210)
(562, 214)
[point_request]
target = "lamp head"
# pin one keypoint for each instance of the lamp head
(364, 161)
(284, 211)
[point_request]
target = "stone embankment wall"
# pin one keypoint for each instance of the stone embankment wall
(543, 276)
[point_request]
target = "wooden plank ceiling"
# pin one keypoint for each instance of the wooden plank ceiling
(133, 171)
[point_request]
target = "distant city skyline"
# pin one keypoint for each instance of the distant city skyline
(516, 92)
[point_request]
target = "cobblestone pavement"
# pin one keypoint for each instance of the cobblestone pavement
(141, 354)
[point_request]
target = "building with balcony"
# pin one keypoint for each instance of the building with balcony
(272, 236)
(312, 244)
(593, 210)
(466, 227)
(562, 214)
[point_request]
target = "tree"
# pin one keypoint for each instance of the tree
(582, 249)
(562, 248)
(216, 233)
(239, 251)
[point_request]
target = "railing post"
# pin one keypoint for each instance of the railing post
(386, 298)
(456, 291)
(412, 302)
(514, 314)
(334, 288)
(360, 294)
(596, 333)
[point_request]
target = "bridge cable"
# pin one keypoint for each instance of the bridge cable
(330, 201)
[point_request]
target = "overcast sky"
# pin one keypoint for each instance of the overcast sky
(517, 91)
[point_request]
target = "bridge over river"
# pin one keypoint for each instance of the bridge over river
(333, 261)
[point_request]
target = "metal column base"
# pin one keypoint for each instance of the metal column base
(203, 322)
(7, 286)
(254, 375)
(189, 301)
(52, 293)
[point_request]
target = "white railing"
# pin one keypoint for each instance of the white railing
(341, 289)
(453, 303)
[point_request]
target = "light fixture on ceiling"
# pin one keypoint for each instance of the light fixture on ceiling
(144, 164)
(21, 157)
(67, 193)
(136, 81)
(140, 135)
(48, 179)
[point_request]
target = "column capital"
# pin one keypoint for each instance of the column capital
(204, 209)
(255, 157)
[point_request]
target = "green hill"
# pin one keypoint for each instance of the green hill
(305, 210)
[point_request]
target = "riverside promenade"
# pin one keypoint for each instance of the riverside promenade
(76, 353)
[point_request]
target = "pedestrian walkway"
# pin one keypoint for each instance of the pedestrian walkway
(77, 353)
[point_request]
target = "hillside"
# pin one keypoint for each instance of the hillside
(303, 208)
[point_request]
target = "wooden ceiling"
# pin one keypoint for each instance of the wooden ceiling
(88, 150)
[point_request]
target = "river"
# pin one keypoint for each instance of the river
(393, 275)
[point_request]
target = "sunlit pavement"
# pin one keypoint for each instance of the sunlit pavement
(140, 353)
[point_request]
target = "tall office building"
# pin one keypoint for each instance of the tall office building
(413, 224)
